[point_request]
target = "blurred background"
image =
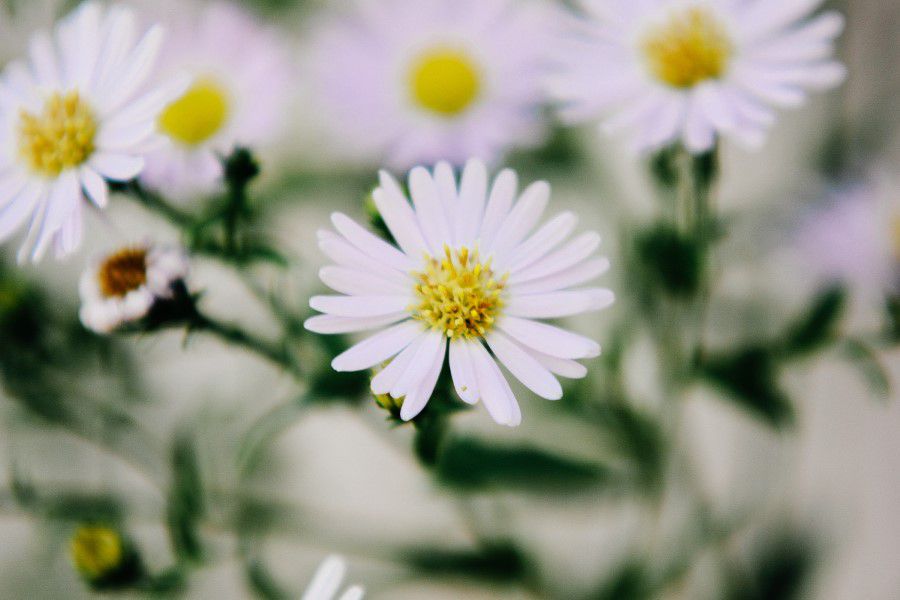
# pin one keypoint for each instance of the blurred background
(785, 480)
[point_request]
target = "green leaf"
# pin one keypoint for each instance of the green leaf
(865, 358)
(750, 376)
(629, 582)
(494, 561)
(780, 570)
(472, 464)
(817, 326)
(186, 505)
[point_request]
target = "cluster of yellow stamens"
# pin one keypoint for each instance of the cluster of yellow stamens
(60, 137)
(690, 47)
(458, 295)
(445, 81)
(123, 272)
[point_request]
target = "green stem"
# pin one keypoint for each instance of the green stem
(155, 203)
(234, 335)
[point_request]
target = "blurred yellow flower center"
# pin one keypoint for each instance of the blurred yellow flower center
(123, 272)
(458, 295)
(445, 81)
(60, 137)
(690, 47)
(96, 550)
(198, 115)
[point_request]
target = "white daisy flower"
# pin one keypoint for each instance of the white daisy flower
(239, 96)
(327, 582)
(417, 81)
(72, 119)
(692, 70)
(467, 275)
(122, 287)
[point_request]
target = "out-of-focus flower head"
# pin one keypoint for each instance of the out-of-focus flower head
(327, 582)
(124, 286)
(693, 70)
(854, 236)
(72, 118)
(416, 81)
(242, 82)
(470, 271)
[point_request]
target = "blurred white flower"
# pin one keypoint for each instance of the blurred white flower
(327, 581)
(854, 238)
(72, 119)
(416, 81)
(466, 271)
(242, 81)
(691, 70)
(122, 287)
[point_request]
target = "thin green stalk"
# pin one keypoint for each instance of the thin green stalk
(234, 335)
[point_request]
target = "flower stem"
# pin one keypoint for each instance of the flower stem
(234, 335)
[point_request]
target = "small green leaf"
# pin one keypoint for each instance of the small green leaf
(866, 360)
(750, 378)
(472, 464)
(818, 324)
(186, 504)
(495, 561)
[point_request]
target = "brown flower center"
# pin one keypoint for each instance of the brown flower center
(123, 272)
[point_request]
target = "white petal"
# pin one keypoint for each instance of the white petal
(359, 306)
(399, 217)
(491, 385)
(500, 202)
(387, 378)
(418, 397)
(420, 364)
(560, 366)
(16, 211)
(429, 210)
(353, 593)
(472, 196)
(543, 241)
(580, 273)
(65, 194)
(344, 253)
(347, 280)
(560, 304)
(369, 243)
(548, 339)
(95, 187)
(327, 580)
(462, 371)
(566, 257)
(523, 217)
(117, 167)
(377, 348)
(524, 367)
(330, 324)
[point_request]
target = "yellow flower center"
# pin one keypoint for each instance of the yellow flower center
(96, 550)
(123, 272)
(198, 115)
(444, 81)
(60, 137)
(458, 295)
(689, 47)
